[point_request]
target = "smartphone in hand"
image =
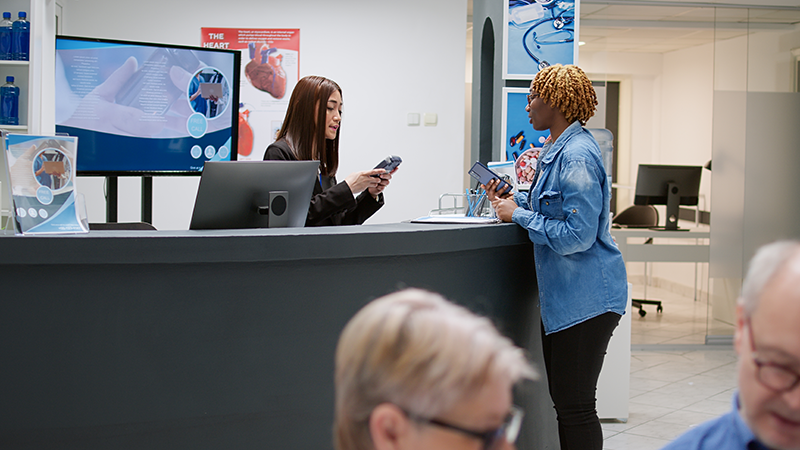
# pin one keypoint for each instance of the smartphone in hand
(389, 163)
(484, 174)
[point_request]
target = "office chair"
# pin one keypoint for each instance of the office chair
(637, 216)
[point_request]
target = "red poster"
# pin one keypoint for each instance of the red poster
(270, 70)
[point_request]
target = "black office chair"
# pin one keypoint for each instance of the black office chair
(637, 216)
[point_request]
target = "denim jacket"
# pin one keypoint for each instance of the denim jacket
(579, 268)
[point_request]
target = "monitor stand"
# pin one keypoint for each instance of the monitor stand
(112, 199)
(673, 209)
(278, 205)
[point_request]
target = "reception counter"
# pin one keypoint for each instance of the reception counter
(225, 339)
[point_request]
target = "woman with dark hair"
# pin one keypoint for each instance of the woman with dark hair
(310, 131)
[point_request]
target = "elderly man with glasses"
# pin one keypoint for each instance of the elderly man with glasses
(766, 413)
(414, 371)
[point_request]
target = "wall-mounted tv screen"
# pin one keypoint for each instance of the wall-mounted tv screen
(146, 109)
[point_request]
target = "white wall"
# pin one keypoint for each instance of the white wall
(390, 58)
(639, 75)
(671, 102)
(687, 111)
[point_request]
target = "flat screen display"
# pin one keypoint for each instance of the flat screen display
(146, 109)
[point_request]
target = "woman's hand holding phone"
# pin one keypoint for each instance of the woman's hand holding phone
(359, 181)
(384, 178)
(503, 203)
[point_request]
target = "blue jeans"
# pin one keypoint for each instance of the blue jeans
(573, 358)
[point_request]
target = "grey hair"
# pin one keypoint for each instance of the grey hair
(766, 263)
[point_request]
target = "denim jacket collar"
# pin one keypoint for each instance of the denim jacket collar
(555, 147)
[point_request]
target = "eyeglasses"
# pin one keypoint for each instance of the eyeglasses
(531, 97)
(508, 430)
(774, 376)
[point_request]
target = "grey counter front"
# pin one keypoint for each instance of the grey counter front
(225, 339)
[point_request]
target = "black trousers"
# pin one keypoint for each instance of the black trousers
(573, 358)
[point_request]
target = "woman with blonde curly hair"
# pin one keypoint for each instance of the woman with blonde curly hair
(580, 272)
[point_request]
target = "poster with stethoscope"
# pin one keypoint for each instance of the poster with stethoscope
(41, 175)
(270, 70)
(519, 141)
(537, 34)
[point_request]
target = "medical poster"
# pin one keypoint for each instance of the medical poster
(41, 173)
(270, 70)
(537, 34)
(520, 142)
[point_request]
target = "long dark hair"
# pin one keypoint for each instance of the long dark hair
(304, 133)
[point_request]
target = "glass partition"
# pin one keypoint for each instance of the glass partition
(756, 109)
(699, 84)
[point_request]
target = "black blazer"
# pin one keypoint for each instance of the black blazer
(332, 203)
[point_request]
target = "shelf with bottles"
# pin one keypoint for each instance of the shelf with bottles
(20, 70)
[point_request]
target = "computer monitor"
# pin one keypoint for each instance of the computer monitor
(254, 194)
(668, 185)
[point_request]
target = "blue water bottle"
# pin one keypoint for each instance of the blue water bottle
(5, 36)
(9, 103)
(21, 37)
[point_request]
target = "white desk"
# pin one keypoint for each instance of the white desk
(689, 249)
(655, 252)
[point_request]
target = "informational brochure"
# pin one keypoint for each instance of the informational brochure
(41, 175)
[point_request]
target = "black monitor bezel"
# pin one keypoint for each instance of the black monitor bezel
(662, 174)
(654, 183)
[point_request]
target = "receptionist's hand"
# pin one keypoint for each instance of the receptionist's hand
(384, 178)
(359, 181)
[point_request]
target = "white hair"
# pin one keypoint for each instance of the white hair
(766, 263)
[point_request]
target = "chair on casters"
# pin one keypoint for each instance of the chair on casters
(637, 216)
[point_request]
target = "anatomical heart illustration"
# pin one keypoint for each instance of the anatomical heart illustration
(264, 71)
(270, 66)
(245, 132)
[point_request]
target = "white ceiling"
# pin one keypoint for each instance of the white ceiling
(667, 26)
(661, 29)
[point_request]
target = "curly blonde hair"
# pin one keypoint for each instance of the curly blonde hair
(568, 89)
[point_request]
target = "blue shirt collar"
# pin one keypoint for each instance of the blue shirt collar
(743, 432)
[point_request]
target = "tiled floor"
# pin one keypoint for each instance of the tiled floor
(677, 384)
(683, 320)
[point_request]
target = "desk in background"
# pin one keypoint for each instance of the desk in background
(694, 248)
(655, 252)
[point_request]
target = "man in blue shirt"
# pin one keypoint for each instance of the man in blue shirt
(766, 410)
